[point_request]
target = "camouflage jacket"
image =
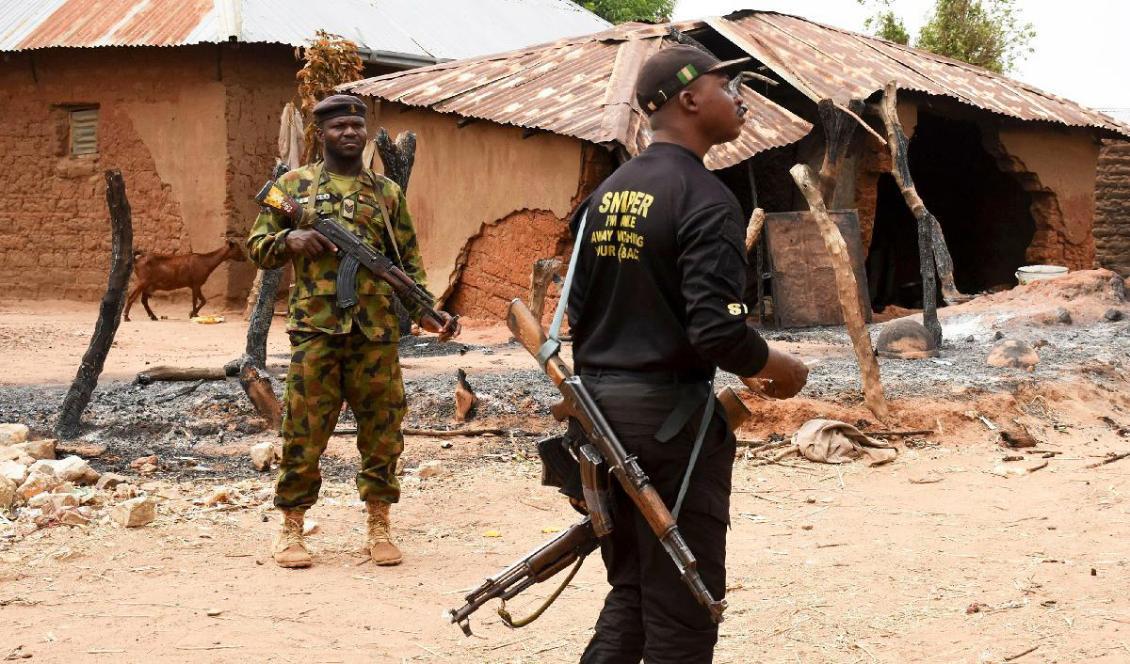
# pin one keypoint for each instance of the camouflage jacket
(313, 305)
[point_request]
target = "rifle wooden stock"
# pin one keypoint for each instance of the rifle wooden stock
(580, 406)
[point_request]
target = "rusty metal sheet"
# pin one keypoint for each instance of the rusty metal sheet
(826, 62)
(579, 87)
(402, 30)
(804, 285)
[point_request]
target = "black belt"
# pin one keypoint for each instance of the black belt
(693, 388)
(657, 377)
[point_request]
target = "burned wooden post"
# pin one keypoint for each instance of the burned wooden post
(900, 168)
(900, 159)
(839, 128)
(398, 158)
(257, 384)
(848, 291)
(545, 270)
(109, 312)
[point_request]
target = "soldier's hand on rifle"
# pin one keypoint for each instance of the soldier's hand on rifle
(308, 242)
(783, 375)
(448, 330)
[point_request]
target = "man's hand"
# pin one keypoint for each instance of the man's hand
(450, 328)
(783, 376)
(308, 242)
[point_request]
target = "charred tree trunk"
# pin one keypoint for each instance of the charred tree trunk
(257, 385)
(109, 312)
(900, 169)
(398, 158)
(848, 291)
(545, 270)
(259, 324)
(839, 127)
(900, 159)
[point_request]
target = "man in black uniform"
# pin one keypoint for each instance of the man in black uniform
(656, 307)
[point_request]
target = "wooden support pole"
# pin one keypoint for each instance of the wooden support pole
(847, 289)
(257, 385)
(398, 158)
(839, 128)
(900, 168)
(545, 270)
(942, 258)
(109, 312)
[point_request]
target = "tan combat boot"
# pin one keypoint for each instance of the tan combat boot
(381, 548)
(290, 546)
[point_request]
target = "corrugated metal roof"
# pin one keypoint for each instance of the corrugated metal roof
(826, 62)
(581, 86)
(576, 87)
(406, 28)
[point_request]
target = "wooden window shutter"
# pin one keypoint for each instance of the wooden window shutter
(84, 131)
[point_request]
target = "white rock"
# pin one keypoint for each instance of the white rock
(10, 434)
(109, 480)
(73, 517)
(71, 469)
(124, 491)
(431, 469)
(14, 471)
(37, 449)
(262, 455)
(38, 482)
(14, 454)
(7, 493)
(135, 512)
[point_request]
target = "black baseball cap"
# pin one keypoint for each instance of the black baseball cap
(673, 69)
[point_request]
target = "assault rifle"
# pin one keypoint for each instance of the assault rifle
(355, 253)
(596, 456)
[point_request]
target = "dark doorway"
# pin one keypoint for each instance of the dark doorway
(984, 213)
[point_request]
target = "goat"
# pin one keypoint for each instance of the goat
(158, 272)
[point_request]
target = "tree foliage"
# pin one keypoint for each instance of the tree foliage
(619, 11)
(885, 24)
(330, 61)
(986, 33)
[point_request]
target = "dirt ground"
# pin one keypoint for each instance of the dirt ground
(948, 554)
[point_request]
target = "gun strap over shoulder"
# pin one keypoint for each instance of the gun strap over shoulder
(553, 339)
(388, 226)
(310, 209)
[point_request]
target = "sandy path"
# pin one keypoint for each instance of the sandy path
(826, 564)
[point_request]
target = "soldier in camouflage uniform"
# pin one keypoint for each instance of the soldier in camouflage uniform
(338, 353)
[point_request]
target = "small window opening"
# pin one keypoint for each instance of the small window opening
(83, 131)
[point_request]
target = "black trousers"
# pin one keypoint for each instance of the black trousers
(650, 614)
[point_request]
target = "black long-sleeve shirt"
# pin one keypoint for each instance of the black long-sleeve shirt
(661, 272)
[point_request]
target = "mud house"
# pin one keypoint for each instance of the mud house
(509, 144)
(184, 96)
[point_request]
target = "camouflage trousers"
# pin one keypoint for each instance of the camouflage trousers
(324, 370)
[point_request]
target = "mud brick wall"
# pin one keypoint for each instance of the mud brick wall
(54, 229)
(193, 130)
(499, 261)
(1112, 207)
(258, 81)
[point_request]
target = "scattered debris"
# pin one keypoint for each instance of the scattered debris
(466, 401)
(10, 434)
(145, 465)
(263, 455)
(431, 469)
(109, 481)
(1110, 459)
(906, 339)
(135, 512)
(1013, 353)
